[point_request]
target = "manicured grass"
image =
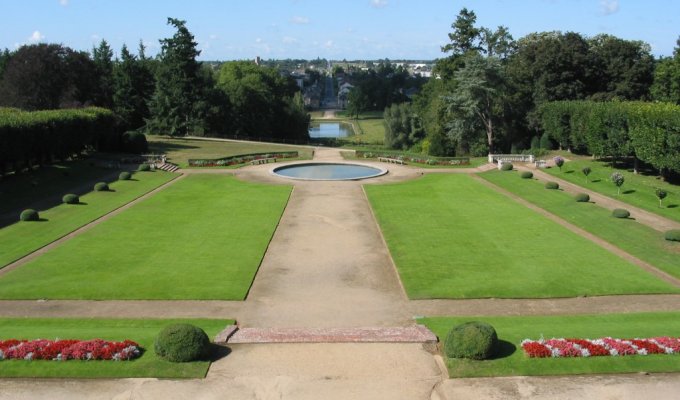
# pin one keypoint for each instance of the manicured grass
(22, 238)
(512, 330)
(639, 240)
(179, 151)
(452, 237)
(201, 238)
(638, 190)
(141, 331)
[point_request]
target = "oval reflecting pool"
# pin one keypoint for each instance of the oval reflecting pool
(328, 171)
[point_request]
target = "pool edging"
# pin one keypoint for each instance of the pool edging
(382, 171)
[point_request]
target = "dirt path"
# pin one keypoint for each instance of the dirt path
(652, 220)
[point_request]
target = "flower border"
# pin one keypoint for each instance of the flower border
(62, 350)
(607, 346)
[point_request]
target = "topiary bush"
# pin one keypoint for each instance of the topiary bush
(507, 167)
(620, 213)
(527, 175)
(474, 340)
(101, 186)
(29, 215)
(182, 343)
(552, 185)
(673, 235)
(71, 198)
(582, 197)
(144, 167)
(124, 176)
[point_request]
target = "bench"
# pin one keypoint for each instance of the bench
(262, 161)
(391, 160)
(540, 164)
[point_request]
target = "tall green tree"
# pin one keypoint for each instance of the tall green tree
(357, 102)
(666, 86)
(133, 85)
(5, 55)
(102, 56)
(175, 107)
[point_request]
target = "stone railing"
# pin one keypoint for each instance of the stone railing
(511, 157)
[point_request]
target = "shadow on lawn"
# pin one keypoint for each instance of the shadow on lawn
(505, 349)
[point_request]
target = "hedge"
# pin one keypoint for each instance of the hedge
(527, 175)
(29, 215)
(240, 159)
(182, 343)
(473, 340)
(582, 197)
(101, 187)
(673, 235)
(552, 185)
(620, 213)
(71, 198)
(41, 137)
(414, 158)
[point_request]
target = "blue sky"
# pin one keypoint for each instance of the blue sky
(351, 29)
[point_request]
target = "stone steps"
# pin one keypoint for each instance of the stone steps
(411, 334)
(170, 167)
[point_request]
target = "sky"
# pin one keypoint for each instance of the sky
(344, 29)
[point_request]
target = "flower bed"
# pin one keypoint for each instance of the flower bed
(62, 350)
(414, 158)
(240, 159)
(600, 347)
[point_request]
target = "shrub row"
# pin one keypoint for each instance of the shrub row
(39, 137)
(414, 158)
(240, 159)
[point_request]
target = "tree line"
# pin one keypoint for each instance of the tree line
(170, 94)
(491, 87)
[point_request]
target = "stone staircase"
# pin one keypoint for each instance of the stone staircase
(167, 166)
(410, 334)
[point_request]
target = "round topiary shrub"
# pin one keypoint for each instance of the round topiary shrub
(29, 215)
(582, 197)
(473, 340)
(124, 176)
(71, 198)
(507, 167)
(673, 235)
(527, 175)
(144, 167)
(101, 186)
(620, 213)
(182, 343)
(552, 185)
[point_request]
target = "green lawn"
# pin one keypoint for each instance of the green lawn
(637, 190)
(512, 330)
(19, 191)
(639, 240)
(201, 238)
(179, 151)
(452, 237)
(22, 238)
(138, 330)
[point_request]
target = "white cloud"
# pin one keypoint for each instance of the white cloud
(298, 20)
(95, 37)
(258, 40)
(328, 44)
(288, 40)
(213, 37)
(379, 3)
(36, 37)
(609, 7)
(63, 3)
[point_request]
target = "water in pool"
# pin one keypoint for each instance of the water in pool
(329, 130)
(329, 171)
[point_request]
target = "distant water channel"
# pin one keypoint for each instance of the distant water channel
(330, 130)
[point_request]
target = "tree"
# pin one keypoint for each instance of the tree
(666, 86)
(102, 56)
(133, 87)
(618, 180)
(478, 99)
(465, 37)
(660, 194)
(357, 102)
(586, 171)
(175, 107)
(5, 55)
(404, 127)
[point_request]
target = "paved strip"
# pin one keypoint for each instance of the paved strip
(411, 334)
(37, 253)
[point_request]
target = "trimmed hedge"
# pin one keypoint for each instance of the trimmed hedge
(672, 235)
(101, 187)
(144, 167)
(182, 343)
(507, 167)
(620, 213)
(124, 176)
(552, 185)
(29, 215)
(527, 175)
(413, 158)
(71, 198)
(474, 340)
(582, 197)
(240, 159)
